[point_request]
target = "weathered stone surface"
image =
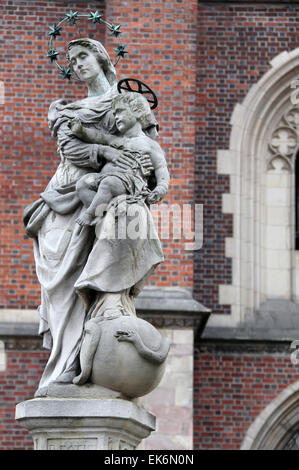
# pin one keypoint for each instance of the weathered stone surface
(84, 424)
(110, 164)
(276, 319)
(122, 353)
(172, 401)
(56, 390)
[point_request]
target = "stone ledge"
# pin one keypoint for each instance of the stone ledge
(276, 320)
(18, 329)
(84, 408)
(164, 308)
(244, 346)
(12, 315)
(85, 424)
(172, 308)
(250, 334)
(168, 300)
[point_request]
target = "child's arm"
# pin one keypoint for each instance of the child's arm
(93, 135)
(87, 134)
(110, 146)
(161, 174)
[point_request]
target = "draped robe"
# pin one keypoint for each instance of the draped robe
(77, 269)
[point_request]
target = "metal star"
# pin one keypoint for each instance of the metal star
(95, 17)
(115, 30)
(55, 31)
(120, 50)
(66, 73)
(72, 17)
(52, 54)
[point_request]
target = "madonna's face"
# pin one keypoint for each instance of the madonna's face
(84, 63)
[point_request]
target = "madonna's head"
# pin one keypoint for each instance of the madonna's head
(88, 57)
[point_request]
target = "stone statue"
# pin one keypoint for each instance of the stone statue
(88, 279)
(145, 352)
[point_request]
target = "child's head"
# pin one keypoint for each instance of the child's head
(136, 104)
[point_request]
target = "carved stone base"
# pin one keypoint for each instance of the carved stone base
(85, 424)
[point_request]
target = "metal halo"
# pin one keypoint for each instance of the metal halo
(72, 18)
(142, 88)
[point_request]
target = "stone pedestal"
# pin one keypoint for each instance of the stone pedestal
(85, 424)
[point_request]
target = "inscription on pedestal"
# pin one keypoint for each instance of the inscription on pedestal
(71, 444)
(89, 425)
(119, 444)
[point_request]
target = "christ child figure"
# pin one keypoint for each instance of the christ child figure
(127, 170)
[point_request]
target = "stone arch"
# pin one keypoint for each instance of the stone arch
(276, 424)
(263, 142)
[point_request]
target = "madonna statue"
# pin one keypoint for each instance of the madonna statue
(84, 274)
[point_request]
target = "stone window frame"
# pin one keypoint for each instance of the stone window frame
(248, 162)
(276, 424)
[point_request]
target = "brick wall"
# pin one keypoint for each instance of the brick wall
(28, 153)
(161, 40)
(233, 383)
(161, 37)
(25, 361)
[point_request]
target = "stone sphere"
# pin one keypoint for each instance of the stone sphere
(119, 366)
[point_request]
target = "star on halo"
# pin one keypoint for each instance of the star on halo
(120, 50)
(66, 73)
(115, 30)
(52, 54)
(55, 31)
(95, 17)
(72, 17)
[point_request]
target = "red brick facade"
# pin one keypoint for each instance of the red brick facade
(232, 386)
(31, 84)
(201, 59)
(18, 383)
